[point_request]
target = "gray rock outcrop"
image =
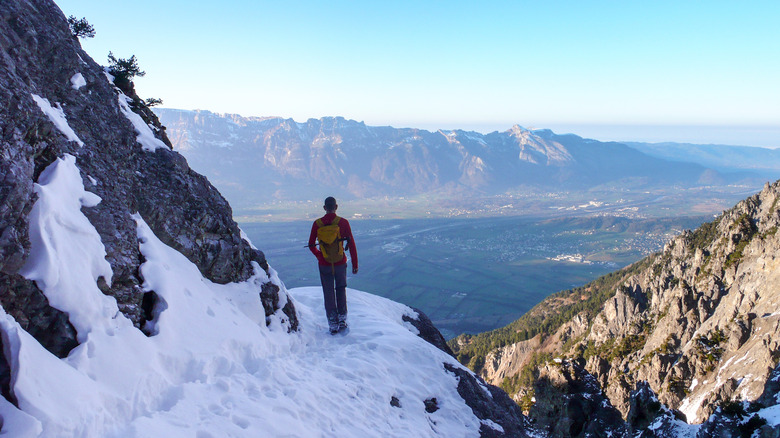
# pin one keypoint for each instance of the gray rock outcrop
(428, 331)
(571, 403)
(499, 415)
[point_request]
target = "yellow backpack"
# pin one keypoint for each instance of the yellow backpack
(329, 237)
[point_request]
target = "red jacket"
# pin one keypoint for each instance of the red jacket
(346, 233)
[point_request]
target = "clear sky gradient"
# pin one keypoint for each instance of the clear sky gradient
(704, 72)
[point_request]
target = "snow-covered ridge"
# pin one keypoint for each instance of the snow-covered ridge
(213, 368)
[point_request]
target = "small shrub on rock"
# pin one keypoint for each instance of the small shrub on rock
(124, 69)
(153, 101)
(81, 28)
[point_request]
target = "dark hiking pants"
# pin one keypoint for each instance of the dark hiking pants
(334, 290)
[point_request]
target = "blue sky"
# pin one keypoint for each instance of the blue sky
(690, 70)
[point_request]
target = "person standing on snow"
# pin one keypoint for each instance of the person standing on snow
(330, 232)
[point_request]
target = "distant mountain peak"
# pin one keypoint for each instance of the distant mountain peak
(517, 129)
(537, 150)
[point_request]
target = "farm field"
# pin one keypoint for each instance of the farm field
(472, 275)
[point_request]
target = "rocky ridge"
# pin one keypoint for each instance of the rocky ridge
(700, 324)
(697, 324)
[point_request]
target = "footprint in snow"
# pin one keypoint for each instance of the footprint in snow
(284, 411)
(240, 421)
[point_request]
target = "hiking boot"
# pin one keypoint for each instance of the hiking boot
(333, 324)
(343, 326)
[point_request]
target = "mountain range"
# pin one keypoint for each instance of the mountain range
(294, 161)
(723, 158)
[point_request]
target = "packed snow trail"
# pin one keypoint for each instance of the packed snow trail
(213, 368)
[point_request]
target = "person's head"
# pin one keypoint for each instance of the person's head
(330, 204)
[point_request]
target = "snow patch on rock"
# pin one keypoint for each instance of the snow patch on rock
(78, 81)
(57, 116)
(66, 254)
(145, 137)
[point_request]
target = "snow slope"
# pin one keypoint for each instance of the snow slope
(213, 368)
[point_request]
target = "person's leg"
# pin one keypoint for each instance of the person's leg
(329, 296)
(341, 294)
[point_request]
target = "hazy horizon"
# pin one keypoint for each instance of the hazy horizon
(603, 70)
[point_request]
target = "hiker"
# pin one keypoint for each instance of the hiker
(330, 232)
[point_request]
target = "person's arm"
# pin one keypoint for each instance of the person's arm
(351, 246)
(313, 242)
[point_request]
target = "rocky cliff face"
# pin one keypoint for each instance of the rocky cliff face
(56, 101)
(697, 324)
(700, 325)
